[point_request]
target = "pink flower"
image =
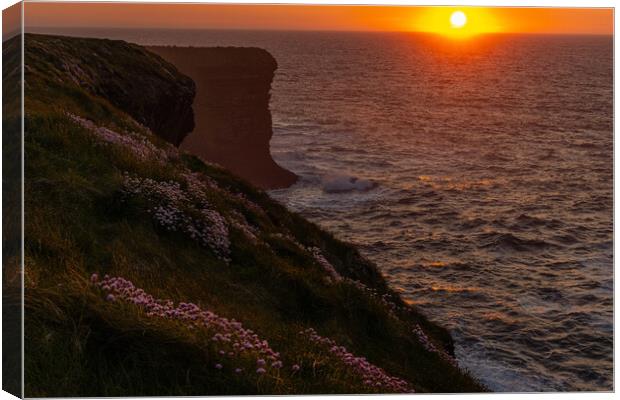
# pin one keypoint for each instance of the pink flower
(371, 375)
(326, 265)
(260, 371)
(218, 366)
(225, 333)
(238, 370)
(295, 368)
(134, 142)
(94, 278)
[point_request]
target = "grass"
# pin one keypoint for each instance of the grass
(78, 221)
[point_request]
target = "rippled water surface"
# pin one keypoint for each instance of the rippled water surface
(484, 182)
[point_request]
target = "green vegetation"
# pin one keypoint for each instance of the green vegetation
(80, 219)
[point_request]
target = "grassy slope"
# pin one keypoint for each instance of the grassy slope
(11, 212)
(78, 221)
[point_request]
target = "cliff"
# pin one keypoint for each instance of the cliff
(132, 79)
(150, 272)
(233, 121)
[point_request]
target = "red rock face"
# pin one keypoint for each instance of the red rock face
(232, 117)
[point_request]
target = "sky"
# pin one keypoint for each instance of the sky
(11, 21)
(303, 17)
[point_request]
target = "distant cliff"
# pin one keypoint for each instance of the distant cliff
(136, 81)
(233, 121)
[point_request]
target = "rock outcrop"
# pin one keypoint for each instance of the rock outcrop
(142, 84)
(233, 120)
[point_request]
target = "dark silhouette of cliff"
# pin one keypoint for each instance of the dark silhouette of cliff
(233, 121)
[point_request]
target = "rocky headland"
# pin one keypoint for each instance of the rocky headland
(233, 120)
(150, 272)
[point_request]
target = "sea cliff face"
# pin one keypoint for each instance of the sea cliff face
(151, 272)
(233, 121)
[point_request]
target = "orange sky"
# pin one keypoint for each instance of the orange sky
(302, 17)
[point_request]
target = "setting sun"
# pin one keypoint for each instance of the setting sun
(458, 23)
(458, 19)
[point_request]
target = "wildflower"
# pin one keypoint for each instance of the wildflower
(295, 368)
(429, 346)
(186, 211)
(94, 278)
(238, 370)
(218, 366)
(134, 142)
(327, 266)
(226, 334)
(371, 375)
(374, 293)
(260, 371)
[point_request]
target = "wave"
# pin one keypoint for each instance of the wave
(513, 242)
(343, 183)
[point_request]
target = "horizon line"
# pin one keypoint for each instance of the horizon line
(612, 34)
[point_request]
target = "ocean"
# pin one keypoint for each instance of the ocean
(477, 174)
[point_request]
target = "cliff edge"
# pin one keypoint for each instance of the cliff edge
(145, 86)
(233, 121)
(150, 272)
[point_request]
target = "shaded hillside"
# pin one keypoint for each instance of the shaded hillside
(151, 272)
(132, 79)
(11, 214)
(233, 121)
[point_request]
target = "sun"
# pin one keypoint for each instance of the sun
(457, 22)
(458, 19)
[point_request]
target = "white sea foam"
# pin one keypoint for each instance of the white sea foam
(343, 183)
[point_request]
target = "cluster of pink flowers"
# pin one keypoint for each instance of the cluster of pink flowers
(199, 184)
(371, 375)
(172, 208)
(326, 265)
(136, 143)
(383, 298)
(228, 336)
(429, 346)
